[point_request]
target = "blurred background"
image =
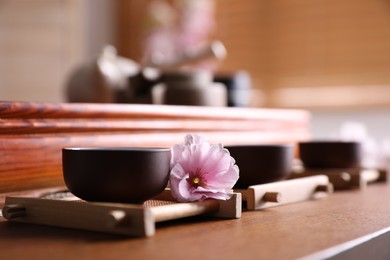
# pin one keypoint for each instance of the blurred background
(331, 57)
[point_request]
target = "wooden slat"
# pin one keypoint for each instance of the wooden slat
(33, 126)
(285, 192)
(113, 218)
(67, 110)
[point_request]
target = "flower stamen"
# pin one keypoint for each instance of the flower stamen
(196, 181)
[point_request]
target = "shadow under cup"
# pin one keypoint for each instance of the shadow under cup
(126, 175)
(261, 164)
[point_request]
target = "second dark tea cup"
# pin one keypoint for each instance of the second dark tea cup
(319, 154)
(262, 163)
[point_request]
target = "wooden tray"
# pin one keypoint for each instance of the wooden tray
(342, 179)
(286, 192)
(115, 218)
(32, 135)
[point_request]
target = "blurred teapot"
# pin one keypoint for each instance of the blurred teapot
(115, 79)
(102, 80)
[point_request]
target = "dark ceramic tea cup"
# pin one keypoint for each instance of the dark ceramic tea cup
(330, 154)
(261, 164)
(126, 175)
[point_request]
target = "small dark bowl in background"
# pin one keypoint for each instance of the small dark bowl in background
(262, 163)
(126, 175)
(330, 154)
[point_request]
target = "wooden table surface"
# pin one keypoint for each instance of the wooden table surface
(286, 232)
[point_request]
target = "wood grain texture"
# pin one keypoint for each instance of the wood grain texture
(286, 232)
(21, 110)
(32, 135)
(34, 161)
(68, 125)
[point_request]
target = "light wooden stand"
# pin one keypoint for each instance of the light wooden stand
(285, 192)
(115, 218)
(353, 178)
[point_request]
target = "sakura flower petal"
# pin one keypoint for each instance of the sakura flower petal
(200, 171)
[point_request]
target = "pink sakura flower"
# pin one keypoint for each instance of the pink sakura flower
(200, 171)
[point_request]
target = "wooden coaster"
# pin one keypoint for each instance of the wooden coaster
(350, 178)
(115, 218)
(286, 192)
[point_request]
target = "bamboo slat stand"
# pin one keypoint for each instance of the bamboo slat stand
(286, 192)
(342, 179)
(114, 218)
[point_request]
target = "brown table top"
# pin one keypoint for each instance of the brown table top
(285, 232)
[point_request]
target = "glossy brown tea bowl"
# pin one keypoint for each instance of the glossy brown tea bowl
(262, 163)
(330, 154)
(125, 175)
